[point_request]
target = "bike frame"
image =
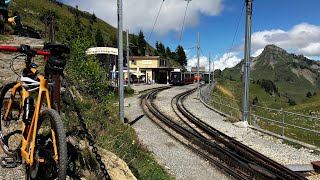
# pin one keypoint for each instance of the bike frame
(28, 142)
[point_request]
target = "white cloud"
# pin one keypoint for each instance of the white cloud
(312, 49)
(140, 14)
(193, 62)
(227, 60)
(303, 39)
(257, 53)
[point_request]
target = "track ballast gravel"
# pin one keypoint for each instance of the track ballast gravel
(180, 161)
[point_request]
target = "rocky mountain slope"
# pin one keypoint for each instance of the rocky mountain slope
(293, 75)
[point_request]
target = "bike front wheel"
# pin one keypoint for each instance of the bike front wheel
(50, 158)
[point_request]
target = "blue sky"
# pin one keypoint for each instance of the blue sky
(291, 24)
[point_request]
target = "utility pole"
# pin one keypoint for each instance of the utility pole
(213, 70)
(128, 59)
(120, 62)
(209, 69)
(198, 53)
(246, 75)
(55, 77)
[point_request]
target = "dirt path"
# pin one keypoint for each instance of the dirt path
(7, 75)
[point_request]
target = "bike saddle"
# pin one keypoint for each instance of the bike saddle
(57, 49)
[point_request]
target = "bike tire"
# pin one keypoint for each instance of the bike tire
(49, 169)
(11, 134)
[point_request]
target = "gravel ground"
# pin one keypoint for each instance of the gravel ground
(270, 146)
(7, 75)
(181, 162)
(11, 173)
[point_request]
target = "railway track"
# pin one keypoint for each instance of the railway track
(231, 156)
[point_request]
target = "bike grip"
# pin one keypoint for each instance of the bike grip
(9, 48)
(44, 53)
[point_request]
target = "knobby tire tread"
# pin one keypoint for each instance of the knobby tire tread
(3, 92)
(61, 140)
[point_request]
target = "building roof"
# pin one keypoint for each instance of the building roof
(144, 57)
(195, 69)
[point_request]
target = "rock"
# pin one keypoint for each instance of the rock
(117, 168)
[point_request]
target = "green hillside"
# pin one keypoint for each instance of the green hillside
(87, 89)
(33, 12)
(310, 106)
(293, 76)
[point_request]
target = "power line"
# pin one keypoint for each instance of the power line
(155, 21)
(202, 52)
(193, 47)
(239, 20)
(184, 19)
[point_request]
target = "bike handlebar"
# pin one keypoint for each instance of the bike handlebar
(19, 49)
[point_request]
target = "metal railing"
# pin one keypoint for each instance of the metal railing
(224, 105)
(285, 123)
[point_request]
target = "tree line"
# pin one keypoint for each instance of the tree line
(139, 47)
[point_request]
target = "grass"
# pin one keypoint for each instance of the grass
(100, 114)
(310, 106)
(109, 133)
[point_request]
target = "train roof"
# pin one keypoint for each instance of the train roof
(182, 72)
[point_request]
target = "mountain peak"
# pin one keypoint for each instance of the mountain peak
(274, 48)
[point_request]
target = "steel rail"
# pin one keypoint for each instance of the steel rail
(262, 163)
(195, 140)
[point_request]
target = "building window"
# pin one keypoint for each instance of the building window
(162, 62)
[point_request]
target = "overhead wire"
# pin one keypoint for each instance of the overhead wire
(184, 19)
(239, 20)
(154, 24)
(202, 52)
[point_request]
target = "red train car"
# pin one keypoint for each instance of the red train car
(181, 78)
(196, 78)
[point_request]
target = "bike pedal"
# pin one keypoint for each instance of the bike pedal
(9, 162)
(7, 123)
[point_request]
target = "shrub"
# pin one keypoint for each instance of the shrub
(309, 95)
(291, 102)
(128, 90)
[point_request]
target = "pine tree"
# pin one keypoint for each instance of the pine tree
(291, 102)
(173, 55)
(99, 39)
(134, 49)
(168, 52)
(113, 42)
(162, 49)
(157, 45)
(181, 56)
(94, 18)
(309, 95)
(142, 44)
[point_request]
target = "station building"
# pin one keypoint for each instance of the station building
(150, 69)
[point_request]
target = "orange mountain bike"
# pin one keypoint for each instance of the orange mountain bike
(31, 132)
